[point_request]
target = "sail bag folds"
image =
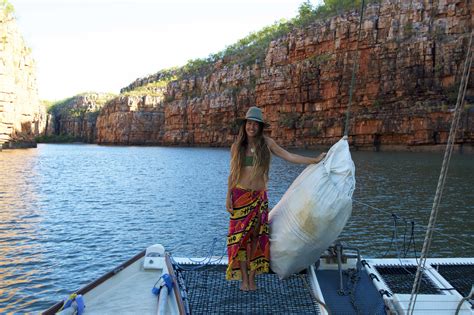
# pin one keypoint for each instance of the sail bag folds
(312, 212)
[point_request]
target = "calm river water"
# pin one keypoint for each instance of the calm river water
(70, 213)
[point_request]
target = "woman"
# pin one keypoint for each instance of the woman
(248, 241)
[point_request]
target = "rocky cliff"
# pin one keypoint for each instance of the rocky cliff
(76, 117)
(132, 120)
(409, 58)
(22, 116)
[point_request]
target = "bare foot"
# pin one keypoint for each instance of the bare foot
(244, 287)
(252, 286)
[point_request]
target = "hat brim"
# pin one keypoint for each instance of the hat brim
(240, 121)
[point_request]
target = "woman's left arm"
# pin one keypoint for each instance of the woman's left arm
(291, 157)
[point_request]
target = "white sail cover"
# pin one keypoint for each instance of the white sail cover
(312, 212)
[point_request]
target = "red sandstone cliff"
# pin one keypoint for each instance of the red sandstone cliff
(410, 59)
(76, 117)
(131, 120)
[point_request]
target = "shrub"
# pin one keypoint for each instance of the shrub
(289, 120)
(62, 138)
(6, 7)
(252, 48)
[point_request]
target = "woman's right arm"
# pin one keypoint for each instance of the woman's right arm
(292, 157)
(228, 201)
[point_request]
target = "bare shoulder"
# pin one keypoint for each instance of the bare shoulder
(272, 145)
(270, 142)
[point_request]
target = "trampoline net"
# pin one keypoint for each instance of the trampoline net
(206, 291)
(400, 280)
(461, 277)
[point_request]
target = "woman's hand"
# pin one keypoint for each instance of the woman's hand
(320, 157)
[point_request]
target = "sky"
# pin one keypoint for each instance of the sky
(104, 45)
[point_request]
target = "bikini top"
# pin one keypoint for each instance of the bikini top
(248, 160)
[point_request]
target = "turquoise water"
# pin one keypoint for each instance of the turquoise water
(70, 213)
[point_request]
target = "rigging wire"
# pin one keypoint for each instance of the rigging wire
(403, 252)
(207, 260)
(442, 176)
(436, 230)
(354, 69)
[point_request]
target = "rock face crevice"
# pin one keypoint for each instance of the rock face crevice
(22, 116)
(128, 120)
(409, 64)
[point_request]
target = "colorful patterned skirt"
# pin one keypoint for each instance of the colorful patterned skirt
(248, 238)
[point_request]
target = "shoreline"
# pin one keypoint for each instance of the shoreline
(465, 148)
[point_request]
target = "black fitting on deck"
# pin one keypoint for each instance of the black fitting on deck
(385, 292)
(374, 276)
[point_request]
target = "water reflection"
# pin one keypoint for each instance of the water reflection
(20, 239)
(69, 213)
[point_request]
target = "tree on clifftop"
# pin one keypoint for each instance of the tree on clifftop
(6, 7)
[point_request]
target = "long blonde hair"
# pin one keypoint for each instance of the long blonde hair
(262, 156)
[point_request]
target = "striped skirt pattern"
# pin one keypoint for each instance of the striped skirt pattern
(248, 237)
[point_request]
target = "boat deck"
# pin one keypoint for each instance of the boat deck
(378, 287)
(444, 284)
(208, 292)
(370, 286)
(359, 297)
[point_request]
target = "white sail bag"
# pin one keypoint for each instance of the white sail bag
(312, 212)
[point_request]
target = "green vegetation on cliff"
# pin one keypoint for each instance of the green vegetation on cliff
(154, 88)
(62, 138)
(252, 48)
(82, 109)
(6, 7)
(69, 106)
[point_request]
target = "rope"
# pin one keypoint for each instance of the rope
(394, 235)
(442, 177)
(198, 264)
(314, 295)
(411, 241)
(354, 67)
(406, 247)
(375, 208)
(464, 299)
(436, 230)
(454, 238)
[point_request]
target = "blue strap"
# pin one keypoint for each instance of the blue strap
(165, 281)
(80, 305)
(168, 282)
(79, 299)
